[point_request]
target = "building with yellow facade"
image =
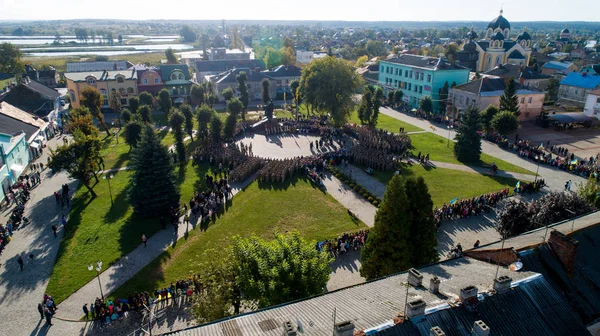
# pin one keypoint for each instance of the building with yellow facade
(123, 82)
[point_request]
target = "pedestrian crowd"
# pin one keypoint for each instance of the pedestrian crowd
(344, 243)
(62, 196)
(47, 308)
(469, 207)
(205, 204)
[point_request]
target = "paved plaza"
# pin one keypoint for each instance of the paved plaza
(283, 146)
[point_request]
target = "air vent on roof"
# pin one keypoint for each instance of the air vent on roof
(267, 325)
(289, 329)
(436, 331)
(416, 308)
(480, 328)
(414, 277)
(345, 328)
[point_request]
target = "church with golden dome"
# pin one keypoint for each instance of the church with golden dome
(495, 48)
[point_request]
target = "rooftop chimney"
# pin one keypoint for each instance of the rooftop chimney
(436, 331)
(415, 308)
(565, 248)
(289, 329)
(468, 294)
(502, 284)
(414, 278)
(480, 328)
(345, 328)
(434, 285)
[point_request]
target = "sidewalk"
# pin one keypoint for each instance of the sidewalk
(360, 207)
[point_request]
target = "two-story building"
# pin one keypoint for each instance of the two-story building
(419, 76)
(37, 131)
(210, 68)
(575, 87)
(177, 81)
(556, 68)
(486, 91)
(592, 104)
(283, 76)
(526, 76)
(14, 158)
(98, 66)
(123, 82)
(149, 79)
(253, 81)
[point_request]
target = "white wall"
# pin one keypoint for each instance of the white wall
(592, 106)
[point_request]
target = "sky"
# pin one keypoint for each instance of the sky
(320, 10)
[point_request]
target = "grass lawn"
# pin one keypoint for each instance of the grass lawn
(438, 150)
(98, 231)
(387, 123)
(259, 210)
(446, 184)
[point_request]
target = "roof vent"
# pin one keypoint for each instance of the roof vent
(502, 284)
(416, 308)
(345, 328)
(436, 331)
(434, 285)
(414, 277)
(468, 294)
(480, 328)
(289, 329)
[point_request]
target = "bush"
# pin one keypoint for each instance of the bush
(371, 199)
(376, 203)
(357, 188)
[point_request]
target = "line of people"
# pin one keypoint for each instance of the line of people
(344, 243)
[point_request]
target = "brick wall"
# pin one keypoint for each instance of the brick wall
(565, 248)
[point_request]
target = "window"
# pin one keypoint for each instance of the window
(598, 100)
(489, 60)
(473, 101)
(410, 73)
(145, 80)
(576, 91)
(105, 102)
(113, 90)
(396, 71)
(428, 78)
(522, 100)
(120, 79)
(409, 86)
(249, 86)
(422, 75)
(405, 73)
(72, 94)
(103, 92)
(181, 76)
(123, 101)
(122, 91)
(382, 69)
(461, 99)
(156, 81)
(91, 81)
(129, 90)
(497, 60)
(420, 89)
(530, 100)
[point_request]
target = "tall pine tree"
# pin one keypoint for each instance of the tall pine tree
(422, 242)
(152, 188)
(509, 100)
(387, 250)
(176, 121)
(468, 141)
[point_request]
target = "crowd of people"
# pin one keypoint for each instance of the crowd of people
(47, 308)
(344, 243)
(381, 140)
(469, 207)
(205, 204)
(245, 169)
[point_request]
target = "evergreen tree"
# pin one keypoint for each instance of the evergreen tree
(229, 128)
(203, 114)
(145, 113)
(468, 141)
(509, 100)
(125, 116)
(164, 101)
(422, 242)
(390, 97)
(133, 133)
(145, 99)
(444, 96)
(243, 90)
(134, 103)
(114, 102)
(266, 93)
(398, 97)
(152, 187)
(235, 107)
(365, 109)
(215, 128)
(186, 110)
(387, 250)
(176, 121)
(552, 89)
(227, 94)
(197, 94)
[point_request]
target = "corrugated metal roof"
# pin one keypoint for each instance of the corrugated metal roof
(366, 305)
(587, 81)
(97, 66)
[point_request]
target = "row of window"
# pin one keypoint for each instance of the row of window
(462, 100)
(92, 80)
(407, 73)
(121, 91)
(156, 81)
(403, 85)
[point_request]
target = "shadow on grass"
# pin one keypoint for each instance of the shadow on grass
(125, 157)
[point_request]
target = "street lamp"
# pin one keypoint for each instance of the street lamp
(98, 268)
(108, 178)
(449, 128)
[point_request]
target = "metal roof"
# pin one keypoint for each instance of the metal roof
(571, 117)
(366, 305)
(97, 66)
(586, 80)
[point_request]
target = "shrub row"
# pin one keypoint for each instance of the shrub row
(367, 195)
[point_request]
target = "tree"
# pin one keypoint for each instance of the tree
(212, 99)
(81, 34)
(243, 90)
(197, 94)
(235, 107)
(509, 100)
(567, 48)
(227, 94)
(80, 158)
(146, 99)
(513, 219)
(219, 291)
(114, 102)
(125, 116)
(92, 99)
(422, 242)
(145, 113)
(505, 122)
(468, 141)
(133, 133)
(552, 89)
(486, 116)
(171, 57)
(273, 58)
(229, 128)
(288, 56)
(294, 85)
(152, 185)
(557, 206)
(269, 108)
(360, 62)
(186, 110)
(187, 33)
(281, 270)
(398, 97)
(10, 59)
(386, 250)
(426, 104)
(390, 97)
(444, 96)
(215, 128)
(266, 92)
(590, 191)
(328, 84)
(376, 48)
(81, 119)
(164, 101)
(451, 52)
(176, 121)
(204, 115)
(368, 110)
(134, 103)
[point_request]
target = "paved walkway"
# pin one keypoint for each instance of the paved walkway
(360, 207)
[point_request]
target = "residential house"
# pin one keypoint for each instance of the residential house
(213, 54)
(149, 79)
(556, 68)
(177, 80)
(123, 82)
(48, 76)
(526, 76)
(592, 58)
(14, 158)
(484, 92)
(370, 73)
(253, 81)
(419, 76)
(37, 99)
(209, 68)
(578, 53)
(98, 66)
(575, 87)
(592, 104)
(37, 131)
(305, 57)
(283, 76)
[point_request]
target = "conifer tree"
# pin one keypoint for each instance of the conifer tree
(176, 122)
(422, 241)
(152, 188)
(387, 250)
(509, 100)
(468, 141)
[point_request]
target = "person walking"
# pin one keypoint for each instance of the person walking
(41, 310)
(85, 311)
(63, 220)
(93, 310)
(48, 315)
(20, 262)
(144, 239)
(54, 229)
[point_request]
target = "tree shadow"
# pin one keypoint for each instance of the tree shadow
(125, 157)
(290, 181)
(119, 206)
